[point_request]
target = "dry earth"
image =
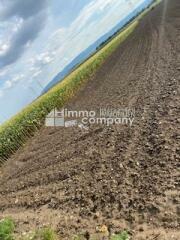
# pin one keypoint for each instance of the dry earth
(118, 176)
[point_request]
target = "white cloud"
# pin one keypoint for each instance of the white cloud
(3, 48)
(17, 25)
(41, 59)
(8, 84)
(11, 83)
(17, 78)
(36, 74)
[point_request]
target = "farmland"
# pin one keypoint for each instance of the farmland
(115, 178)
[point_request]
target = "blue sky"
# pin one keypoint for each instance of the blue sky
(38, 38)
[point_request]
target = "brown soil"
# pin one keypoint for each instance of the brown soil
(118, 176)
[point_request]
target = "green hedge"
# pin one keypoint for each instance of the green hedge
(15, 132)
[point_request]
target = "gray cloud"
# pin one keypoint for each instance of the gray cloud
(27, 33)
(22, 8)
(34, 14)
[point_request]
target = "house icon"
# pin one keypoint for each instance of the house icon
(55, 118)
